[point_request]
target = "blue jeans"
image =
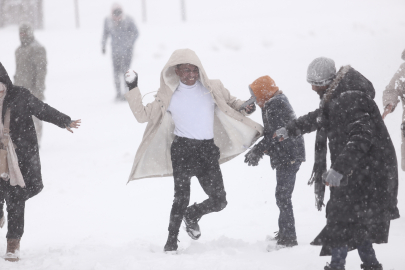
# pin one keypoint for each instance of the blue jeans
(366, 253)
(286, 175)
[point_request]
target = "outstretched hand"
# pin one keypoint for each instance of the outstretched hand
(387, 110)
(74, 124)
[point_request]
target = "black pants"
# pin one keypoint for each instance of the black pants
(286, 175)
(195, 158)
(15, 200)
(121, 63)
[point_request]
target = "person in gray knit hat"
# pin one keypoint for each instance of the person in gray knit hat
(394, 92)
(321, 71)
(363, 164)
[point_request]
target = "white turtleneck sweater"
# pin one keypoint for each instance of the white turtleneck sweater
(192, 109)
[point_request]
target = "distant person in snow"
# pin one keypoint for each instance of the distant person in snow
(363, 177)
(124, 33)
(31, 67)
(21, 178)
(194, 124)
(394, 90)
(285, 156)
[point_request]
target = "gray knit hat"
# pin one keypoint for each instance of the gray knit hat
(403, 55)
(321, 71)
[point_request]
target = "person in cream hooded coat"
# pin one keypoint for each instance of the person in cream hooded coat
(233, 131)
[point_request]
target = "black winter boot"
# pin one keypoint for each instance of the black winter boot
(191, 218)
(171, 243)
(372, 267)
(328, 267)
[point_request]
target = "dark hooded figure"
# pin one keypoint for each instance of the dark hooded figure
(363, 176)
(22, 178)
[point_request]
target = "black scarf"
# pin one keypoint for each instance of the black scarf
(321, 148)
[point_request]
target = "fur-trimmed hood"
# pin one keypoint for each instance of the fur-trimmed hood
(348, 79)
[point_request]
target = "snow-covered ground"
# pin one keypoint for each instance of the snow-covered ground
(88, 218)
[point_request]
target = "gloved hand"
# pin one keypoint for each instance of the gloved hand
(253, 156)
(332, 178)
(281, 133)
(103, 50)
(131, 79)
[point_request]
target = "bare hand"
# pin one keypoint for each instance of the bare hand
(249, 108)
(74, 124)
(387, 110)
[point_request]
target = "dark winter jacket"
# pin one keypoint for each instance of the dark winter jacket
(360, 149)
(123, 35)
(276, 113)
(23, 105)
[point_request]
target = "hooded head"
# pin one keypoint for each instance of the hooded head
(180, 57)
(263, 89)
(116, 12)
(321, 71)
(26, 34)
(403, 55)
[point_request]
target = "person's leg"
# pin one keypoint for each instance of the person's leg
(182, 163)
(367, 254)
(2, 198)
(210, 178)
(117, 68)
(286, 175)
(338, 260)
(15, 212)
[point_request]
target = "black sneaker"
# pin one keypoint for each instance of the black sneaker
(191, 219)
(171, 244)
(372, 267)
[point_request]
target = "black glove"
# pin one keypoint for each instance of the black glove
(253, 156)
(131, 79)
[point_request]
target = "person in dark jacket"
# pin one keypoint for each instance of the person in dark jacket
(363, 177)
(286, 156)
(124, 33)
(23, 179)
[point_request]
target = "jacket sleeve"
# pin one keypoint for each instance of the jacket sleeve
(45, 112)
(304, 124)
(143, 113)
(275, 117)
(40, 68)
(395, 88)
(358, 125)
(106, 33)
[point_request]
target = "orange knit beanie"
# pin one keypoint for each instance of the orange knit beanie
(264, 89)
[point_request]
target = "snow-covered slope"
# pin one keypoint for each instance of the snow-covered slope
(88, 218)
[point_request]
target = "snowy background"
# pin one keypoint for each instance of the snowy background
(88, 218)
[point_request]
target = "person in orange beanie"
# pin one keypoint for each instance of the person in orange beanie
(285, 156)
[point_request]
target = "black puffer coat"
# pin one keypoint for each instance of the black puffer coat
(23, 105)
(276, 113)
(360, 149)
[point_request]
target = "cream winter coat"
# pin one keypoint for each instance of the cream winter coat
(394, 90)
(233, 132)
